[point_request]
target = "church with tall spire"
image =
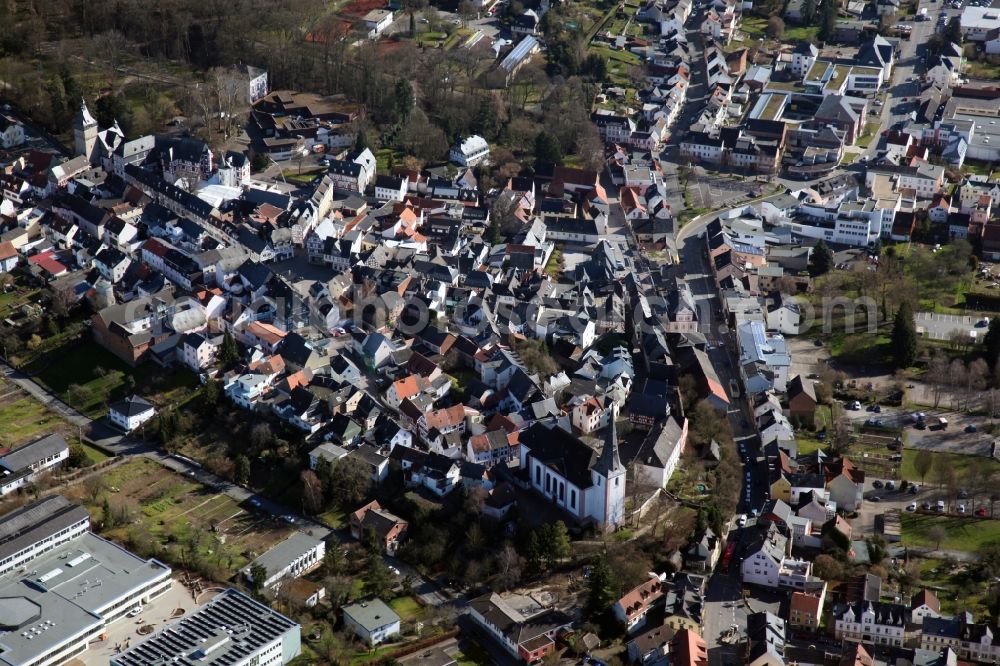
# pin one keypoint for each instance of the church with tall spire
(586, 482)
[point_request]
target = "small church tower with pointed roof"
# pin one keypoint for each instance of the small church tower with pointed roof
(85, 133)
(608, 476)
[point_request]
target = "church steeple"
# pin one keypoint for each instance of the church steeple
(85, 133)
(83, 118)
(610, 463)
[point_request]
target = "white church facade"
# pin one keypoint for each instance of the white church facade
(586, 483)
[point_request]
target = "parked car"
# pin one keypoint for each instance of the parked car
(890, 485)
(914, 489)
(981, 512)
(926, 505)
(963, 494)
(854, 405)
(877, 484)
(939, 507)
(742, 520)
(971, 428)
(912, 506)
(877, 409)
(874, 498)
(961, 508)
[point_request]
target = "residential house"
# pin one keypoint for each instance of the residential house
(802, 401)
(8, 257)
(131, 412)
(632, 608)
(924, 604)
(661, 451)
(766, 561)
(969, 640)
(528, 633)
(765, 640)
(845, 484)
(389, 529)
(688, 649)
(376, 21)
(470, 151)
(806, 609)
(372, 621)
(198, 352)
(870, 622)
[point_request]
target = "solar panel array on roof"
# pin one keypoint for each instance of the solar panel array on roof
(226, 631)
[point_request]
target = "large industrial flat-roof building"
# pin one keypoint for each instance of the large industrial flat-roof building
(230, 630)
(54, 605)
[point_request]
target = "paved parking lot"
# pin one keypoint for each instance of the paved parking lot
(864, 524)
(940, 326)
(714, 191)
(953, 439)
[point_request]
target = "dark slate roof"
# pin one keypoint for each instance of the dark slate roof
(132, 406)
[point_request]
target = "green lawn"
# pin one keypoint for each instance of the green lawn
(982, 70)
(689, 214)
(800, 33)
(407, 608)
(870, 133)
(305, 178)
(334, 517)
(14, 299)
(457, 37)
(860, 347)
(785, 85)
(22, 418)
(961, 464)
(977, 168)
(753, 27)
(431, 38)
(94, 455)
(956, 585)
(99, 378)
(624, 57)
(968, 534)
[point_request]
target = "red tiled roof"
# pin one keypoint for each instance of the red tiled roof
(7, 250)
(47, 262)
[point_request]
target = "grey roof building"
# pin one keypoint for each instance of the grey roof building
(28, 531)
(230, 629)
(294, 556)
(373, 621)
